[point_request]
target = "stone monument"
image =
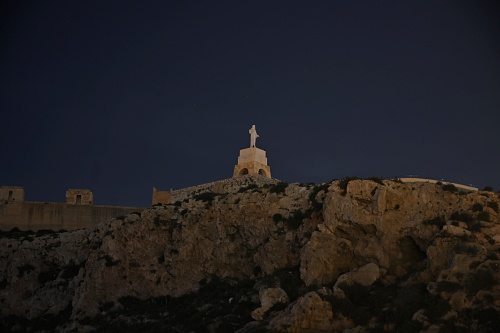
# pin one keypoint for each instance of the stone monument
(253, 136)
(252, 161)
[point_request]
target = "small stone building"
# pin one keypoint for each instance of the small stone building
(79, 197)
(11, 193)
(161, 197)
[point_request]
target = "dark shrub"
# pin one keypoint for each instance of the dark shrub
(464, 217)
(436, 308)
(44, 323)
(295, 219)
(278, 307)
(279, 188)
(71, 270)
(345, 181)
(488, 318)
(484, 216)
(474, 264)
(450, 188)
(493, 205)
(356, 292)
(277, 218)
(43, 232)
(109, 261)
(477, 207)
(205, 196)
(159, 221)
(488, 189)
(466, 249)
(408, 301)
(448, 286)
(248, 187)
(49, 274)
(313, 196)
(289, 280)
(16, 233)
(411, 326)
(491, 256)
(358, 314)
(480, 280)
(377, 180)
(106, 306)
(161, 259)
(26, 268)
(437, 221)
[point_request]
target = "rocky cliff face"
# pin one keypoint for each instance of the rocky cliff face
(352, 256)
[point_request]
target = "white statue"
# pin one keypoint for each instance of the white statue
(253, 136)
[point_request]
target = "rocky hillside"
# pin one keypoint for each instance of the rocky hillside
(347, 256)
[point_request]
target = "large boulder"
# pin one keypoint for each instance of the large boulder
(365, 276)
(268, 298)
(309, 313)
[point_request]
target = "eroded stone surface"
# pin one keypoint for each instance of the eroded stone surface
(385, 233)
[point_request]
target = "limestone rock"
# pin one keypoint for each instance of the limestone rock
(409, 234)
(338, 293)
(420, 316)
(460, 301)
(324, 258)
(456, 231)
(365, 276)
(310, 312)
(268, 298)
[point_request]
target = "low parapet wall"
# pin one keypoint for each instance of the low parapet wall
(57, 216)
(433, 181)
(220, 186)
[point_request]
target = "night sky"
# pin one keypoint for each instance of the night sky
(121, 96)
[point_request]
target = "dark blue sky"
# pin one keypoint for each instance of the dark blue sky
(122, 96)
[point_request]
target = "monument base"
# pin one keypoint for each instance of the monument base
(252, 161)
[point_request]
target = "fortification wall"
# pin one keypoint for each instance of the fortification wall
(433, 181)
(220, 186)
(56, 216)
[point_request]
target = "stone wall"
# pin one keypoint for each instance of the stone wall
(79, 213)
(56, 216)
(433, 181)
(221, 186)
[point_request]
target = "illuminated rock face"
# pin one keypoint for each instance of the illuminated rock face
(300, 258)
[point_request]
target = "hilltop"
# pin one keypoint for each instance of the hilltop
(347, 256)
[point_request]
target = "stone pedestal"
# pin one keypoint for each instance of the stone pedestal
(252, 161)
